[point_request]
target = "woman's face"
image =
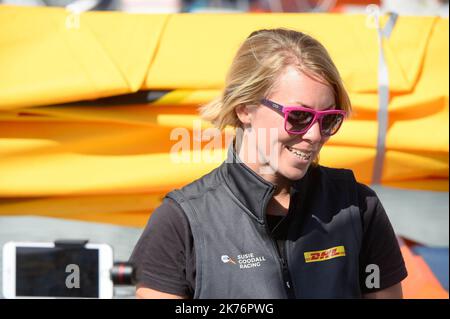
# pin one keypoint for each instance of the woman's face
(286, 154)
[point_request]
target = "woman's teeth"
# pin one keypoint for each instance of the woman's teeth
(305, 156)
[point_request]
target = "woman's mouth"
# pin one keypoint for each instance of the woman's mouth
(300, 154)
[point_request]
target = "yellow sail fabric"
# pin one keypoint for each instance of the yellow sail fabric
(113, 161)
(207, 51)
(114, 53)
(47, 59)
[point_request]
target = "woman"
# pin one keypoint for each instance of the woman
(270, 222)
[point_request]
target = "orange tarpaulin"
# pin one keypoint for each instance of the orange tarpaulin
(421, 282)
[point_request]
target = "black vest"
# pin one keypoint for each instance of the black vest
(236, 257)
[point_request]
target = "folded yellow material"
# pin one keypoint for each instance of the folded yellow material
(48, 61)
(45, 158)
(121, 209)
(406, 132)
(112, 162)
(192, 56)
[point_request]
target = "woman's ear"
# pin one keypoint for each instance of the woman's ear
(244, 115)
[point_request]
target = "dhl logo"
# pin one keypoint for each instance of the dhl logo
(321, 255)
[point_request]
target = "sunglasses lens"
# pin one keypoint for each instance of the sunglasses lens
(331, 123)
(297, 121)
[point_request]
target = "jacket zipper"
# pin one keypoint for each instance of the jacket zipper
(281, 257)
(285, 269)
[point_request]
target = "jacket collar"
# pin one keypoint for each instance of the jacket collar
(250, 189)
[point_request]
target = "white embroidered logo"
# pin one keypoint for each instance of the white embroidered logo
(245, 261)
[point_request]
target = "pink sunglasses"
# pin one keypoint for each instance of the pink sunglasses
(299, 119)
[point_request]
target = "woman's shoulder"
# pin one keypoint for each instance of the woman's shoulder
(364, 192)
(208, 182)
(169, 216)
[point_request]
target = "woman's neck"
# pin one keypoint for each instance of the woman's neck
(250, 157)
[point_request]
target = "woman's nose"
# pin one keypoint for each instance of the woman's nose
(313, 134)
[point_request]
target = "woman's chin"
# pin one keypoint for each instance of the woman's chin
(293, 173)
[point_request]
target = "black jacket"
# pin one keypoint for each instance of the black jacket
(237, 258)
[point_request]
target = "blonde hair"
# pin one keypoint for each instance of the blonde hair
(258, 63)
